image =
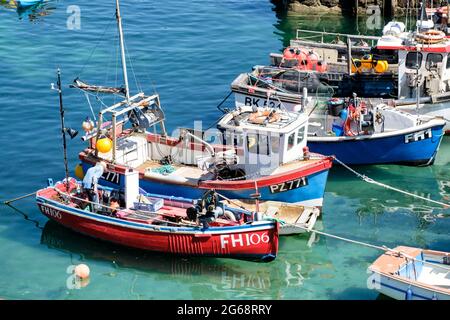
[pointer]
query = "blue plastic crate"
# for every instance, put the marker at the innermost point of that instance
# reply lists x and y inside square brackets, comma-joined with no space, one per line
[154,205]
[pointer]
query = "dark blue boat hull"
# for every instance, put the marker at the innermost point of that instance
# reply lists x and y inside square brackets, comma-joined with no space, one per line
[397,149]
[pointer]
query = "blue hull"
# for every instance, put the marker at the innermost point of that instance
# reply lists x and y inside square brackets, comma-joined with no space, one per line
[310,194]
[28,3]
[391,149]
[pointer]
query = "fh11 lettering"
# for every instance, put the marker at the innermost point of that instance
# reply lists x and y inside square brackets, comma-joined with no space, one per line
[288,185]
[259,102]
[418,136]
[51,212]
[243,240]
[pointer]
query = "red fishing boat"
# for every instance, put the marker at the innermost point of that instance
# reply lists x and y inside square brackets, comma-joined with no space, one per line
[156,224]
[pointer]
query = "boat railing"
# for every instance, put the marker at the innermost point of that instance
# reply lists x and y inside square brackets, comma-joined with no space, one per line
[305,35]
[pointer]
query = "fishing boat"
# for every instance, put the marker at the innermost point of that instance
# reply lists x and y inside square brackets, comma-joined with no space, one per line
[155,224]
[356,131]
[132,134]
[407,273]
[414,79]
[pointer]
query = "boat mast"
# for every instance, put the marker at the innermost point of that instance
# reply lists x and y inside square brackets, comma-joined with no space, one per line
[122,52]
[63,129]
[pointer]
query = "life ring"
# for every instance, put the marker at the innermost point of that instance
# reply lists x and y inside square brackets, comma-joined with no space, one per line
[260,117]
[431,36]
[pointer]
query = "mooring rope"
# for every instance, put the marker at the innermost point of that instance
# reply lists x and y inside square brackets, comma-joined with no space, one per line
[368,245]
[372,181]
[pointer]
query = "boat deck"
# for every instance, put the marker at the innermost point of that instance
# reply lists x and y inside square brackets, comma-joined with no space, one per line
[435,276]
[192,175]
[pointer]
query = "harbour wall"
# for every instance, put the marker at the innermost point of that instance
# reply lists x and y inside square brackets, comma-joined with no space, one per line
[318,7]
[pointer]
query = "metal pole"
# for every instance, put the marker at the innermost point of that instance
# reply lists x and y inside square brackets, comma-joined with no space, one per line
[63,132]
[122,52]
[114,140]
[349,55]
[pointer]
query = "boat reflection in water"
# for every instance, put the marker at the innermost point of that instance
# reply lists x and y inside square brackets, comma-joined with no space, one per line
[33,12]
[237,279]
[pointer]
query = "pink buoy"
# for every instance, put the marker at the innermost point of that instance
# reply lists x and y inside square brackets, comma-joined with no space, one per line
[82,271]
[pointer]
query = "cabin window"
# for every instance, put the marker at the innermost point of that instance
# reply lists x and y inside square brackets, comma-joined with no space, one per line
[448,62]
[258,144]
[300,135]
[275,142]
[291,141]
[413,59]
[252,143]
[433,59]
[263,146]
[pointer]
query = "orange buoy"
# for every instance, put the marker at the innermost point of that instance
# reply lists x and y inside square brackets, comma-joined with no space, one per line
[79,172]
[289,53]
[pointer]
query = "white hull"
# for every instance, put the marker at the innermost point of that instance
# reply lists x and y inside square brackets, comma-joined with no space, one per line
[398,290]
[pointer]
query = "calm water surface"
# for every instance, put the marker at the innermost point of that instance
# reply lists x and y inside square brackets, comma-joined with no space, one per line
[189,52]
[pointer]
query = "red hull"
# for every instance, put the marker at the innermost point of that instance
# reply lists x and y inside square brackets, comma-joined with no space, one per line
[241,243]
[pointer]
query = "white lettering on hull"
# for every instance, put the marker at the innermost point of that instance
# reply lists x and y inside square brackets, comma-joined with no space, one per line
[238,240]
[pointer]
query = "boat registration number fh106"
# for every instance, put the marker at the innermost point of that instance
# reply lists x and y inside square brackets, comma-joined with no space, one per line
[289,185]
[243,240]
[418,136]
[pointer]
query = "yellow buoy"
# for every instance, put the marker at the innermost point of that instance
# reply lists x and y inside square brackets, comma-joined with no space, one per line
[82,271]
[381,66]
[104,145]
[79,172]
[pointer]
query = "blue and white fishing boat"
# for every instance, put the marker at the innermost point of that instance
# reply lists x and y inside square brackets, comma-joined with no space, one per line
[412,274]
[356,131]
[368,134]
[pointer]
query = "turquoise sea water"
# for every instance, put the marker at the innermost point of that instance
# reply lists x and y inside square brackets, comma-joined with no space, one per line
[189,52]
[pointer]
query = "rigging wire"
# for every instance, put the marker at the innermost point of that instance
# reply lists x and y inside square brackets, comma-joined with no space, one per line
[95,48]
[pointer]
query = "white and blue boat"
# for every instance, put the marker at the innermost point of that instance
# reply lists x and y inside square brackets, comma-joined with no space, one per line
[376,135]
[355,131]
[407,273]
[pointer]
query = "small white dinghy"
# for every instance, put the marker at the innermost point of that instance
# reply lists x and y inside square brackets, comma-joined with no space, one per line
[407,273]
[293,218]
